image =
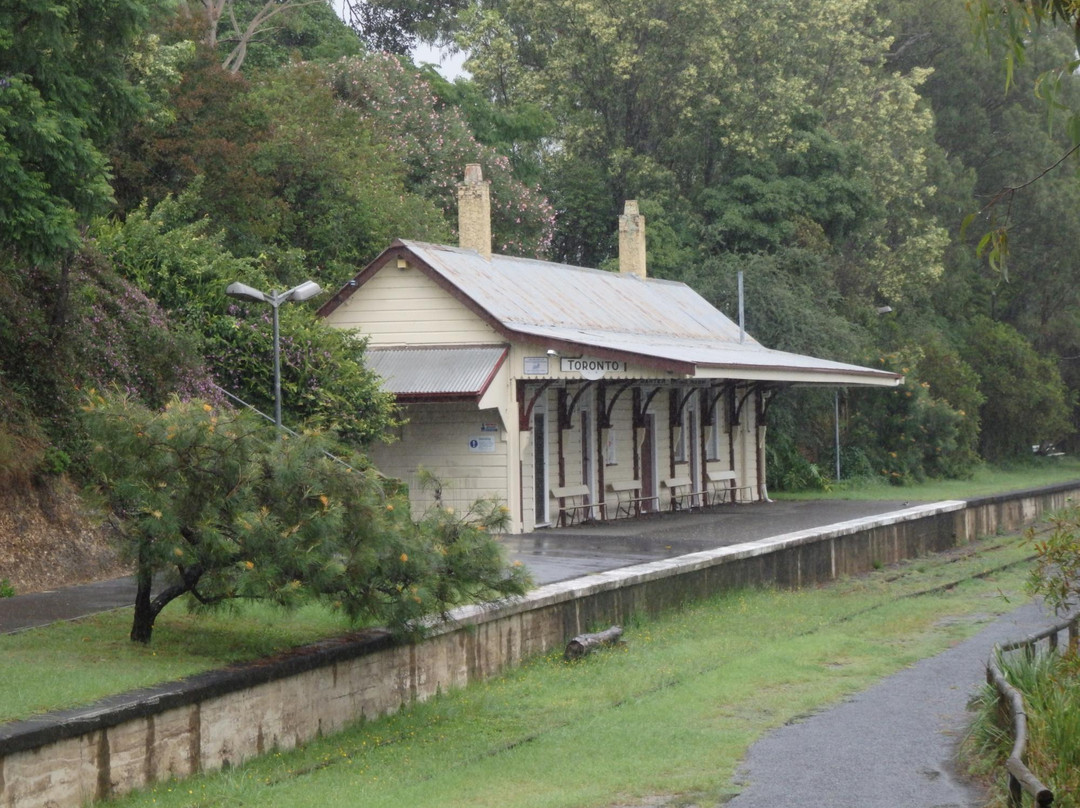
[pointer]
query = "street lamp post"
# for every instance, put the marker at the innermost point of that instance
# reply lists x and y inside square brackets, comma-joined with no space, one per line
[305,290]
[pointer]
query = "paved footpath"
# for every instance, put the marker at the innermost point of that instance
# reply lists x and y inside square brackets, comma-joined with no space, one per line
[892,746]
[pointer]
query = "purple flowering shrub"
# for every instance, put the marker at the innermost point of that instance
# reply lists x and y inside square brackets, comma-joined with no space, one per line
[435,143]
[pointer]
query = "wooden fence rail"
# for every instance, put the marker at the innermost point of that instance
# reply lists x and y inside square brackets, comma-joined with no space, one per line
[1021,779]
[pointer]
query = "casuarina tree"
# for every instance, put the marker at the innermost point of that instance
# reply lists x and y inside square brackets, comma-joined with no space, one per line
[213,505]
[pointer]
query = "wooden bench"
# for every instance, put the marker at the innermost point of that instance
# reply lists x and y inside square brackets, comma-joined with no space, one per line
[572,503]
[683,493]
[722,487]
[626,495]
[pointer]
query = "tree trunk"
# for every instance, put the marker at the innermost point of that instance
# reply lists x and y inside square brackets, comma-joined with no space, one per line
[142,625]
[147,609]
[587,643]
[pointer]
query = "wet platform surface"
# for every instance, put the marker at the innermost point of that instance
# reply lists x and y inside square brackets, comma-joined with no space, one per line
[558,554]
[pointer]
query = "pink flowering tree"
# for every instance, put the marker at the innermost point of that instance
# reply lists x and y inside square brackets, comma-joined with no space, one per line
[435,143]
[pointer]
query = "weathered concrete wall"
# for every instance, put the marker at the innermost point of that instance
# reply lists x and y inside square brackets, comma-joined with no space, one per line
[65,759]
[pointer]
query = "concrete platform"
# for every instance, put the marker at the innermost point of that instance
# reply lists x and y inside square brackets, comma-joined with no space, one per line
[551,555]
[559,554]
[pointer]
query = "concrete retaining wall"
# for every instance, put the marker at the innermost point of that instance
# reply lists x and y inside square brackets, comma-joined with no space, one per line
[67,758]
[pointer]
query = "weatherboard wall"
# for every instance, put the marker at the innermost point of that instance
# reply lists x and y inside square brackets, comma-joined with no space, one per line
[464,447]
[405,307]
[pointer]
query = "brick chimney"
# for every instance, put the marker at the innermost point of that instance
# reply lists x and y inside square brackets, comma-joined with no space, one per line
[632,240]
[474,211]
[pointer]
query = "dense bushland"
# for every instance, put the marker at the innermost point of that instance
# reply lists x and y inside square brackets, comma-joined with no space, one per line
[828,150]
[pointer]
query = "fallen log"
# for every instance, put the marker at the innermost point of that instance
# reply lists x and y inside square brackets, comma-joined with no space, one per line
[584,644]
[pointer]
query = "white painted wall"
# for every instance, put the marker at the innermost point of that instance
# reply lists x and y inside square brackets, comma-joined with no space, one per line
[405,307]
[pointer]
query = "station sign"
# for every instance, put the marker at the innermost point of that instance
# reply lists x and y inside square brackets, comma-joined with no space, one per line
[591,367]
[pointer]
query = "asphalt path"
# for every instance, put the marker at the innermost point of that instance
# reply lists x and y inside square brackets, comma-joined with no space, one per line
[892,746]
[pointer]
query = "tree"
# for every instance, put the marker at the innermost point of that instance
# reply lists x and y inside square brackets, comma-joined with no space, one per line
[247,22]
[1016,31]
[434,143]
[1056,574]
[1027,402]
[216,506]
[64,91]
[395,26]
[672,101]
[184,265]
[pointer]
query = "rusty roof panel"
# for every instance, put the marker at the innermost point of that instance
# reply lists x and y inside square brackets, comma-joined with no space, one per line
[621,313]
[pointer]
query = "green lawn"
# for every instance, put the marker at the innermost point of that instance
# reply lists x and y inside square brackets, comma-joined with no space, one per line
[72,663]
[671,712]
[986,480]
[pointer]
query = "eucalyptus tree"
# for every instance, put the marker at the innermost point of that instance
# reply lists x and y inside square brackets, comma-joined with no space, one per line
[668,100]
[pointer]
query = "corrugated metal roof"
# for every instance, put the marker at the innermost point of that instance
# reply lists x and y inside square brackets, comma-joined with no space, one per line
[622,313]
[521,292]
[451,371]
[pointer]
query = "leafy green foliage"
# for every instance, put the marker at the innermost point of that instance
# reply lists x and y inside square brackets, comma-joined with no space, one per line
[789,470]
[343,189]
[434,143]
[763,119]
[906,433]
[308,31]
[809,193]
[394,26]
[217,506]
[125,339]
[63,93]
[1056,575]
[103,331]
[1050,688]
[184,265]
[1026,400]
[949,378]
[215,135]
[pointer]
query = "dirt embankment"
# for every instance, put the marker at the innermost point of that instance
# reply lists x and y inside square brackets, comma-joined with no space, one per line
[47,540]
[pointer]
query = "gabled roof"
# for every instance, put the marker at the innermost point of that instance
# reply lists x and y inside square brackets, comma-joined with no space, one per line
[657,323]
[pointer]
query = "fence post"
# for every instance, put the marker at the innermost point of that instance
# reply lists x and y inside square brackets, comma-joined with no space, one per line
[1016,793]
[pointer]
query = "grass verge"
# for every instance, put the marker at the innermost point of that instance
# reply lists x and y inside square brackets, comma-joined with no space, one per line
[72,663]
[1050,686]
[669,714]
[985,480]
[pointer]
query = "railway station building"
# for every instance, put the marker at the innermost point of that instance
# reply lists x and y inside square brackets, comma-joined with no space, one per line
[569,394]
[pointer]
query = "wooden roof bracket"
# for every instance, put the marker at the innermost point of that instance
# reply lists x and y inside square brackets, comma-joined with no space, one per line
[566,414]
[606,406]
[769,393]
[738,407]
[679,405]
[709,403]
[639,412]
[525,410]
